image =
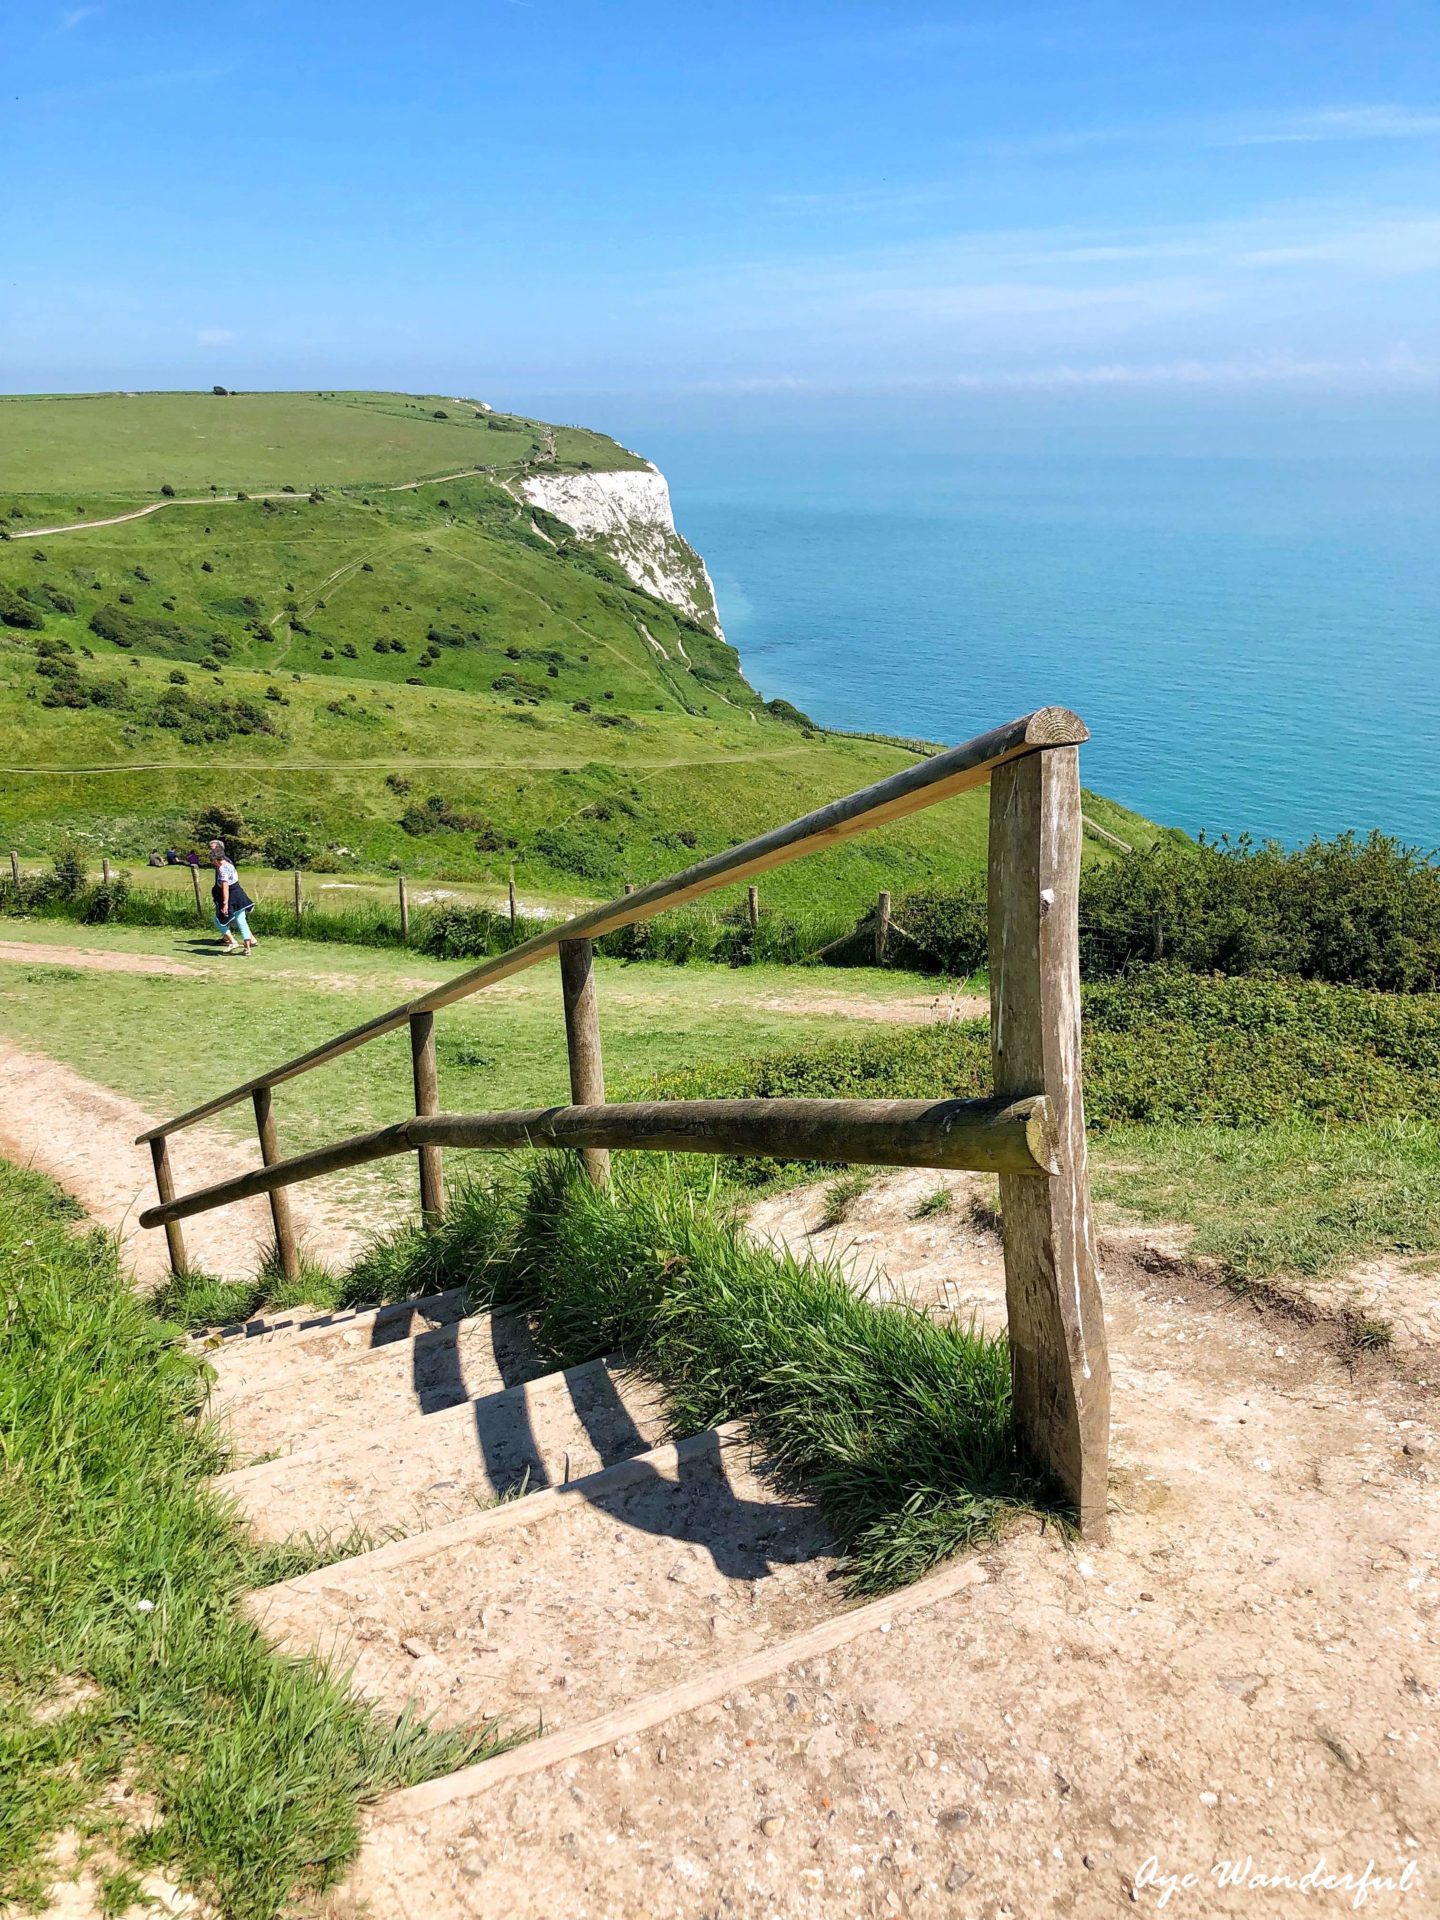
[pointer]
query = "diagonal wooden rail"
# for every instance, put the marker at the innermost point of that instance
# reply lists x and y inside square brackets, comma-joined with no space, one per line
[907,792]
[1031,1132]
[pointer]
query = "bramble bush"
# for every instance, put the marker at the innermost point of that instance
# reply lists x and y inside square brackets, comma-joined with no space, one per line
[1358,912]
[1350,911]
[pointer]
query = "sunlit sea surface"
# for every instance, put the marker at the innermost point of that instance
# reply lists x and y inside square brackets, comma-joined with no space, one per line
[1255,646]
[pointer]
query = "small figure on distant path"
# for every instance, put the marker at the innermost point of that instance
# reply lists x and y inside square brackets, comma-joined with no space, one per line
[155,860]
[192,858]
[172,858]
[231,901]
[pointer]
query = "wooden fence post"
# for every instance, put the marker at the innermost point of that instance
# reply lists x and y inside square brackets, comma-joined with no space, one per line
[285,1250]
[752,905]
[582,1039]
[104,869]
[404,915]
[195,883]
[882,927]
[165,1187]
[15,870]
[299,898]
[514,909]
[427,1100]
[1058,1360]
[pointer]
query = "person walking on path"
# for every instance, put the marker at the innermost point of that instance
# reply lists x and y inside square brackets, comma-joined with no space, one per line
[231,902]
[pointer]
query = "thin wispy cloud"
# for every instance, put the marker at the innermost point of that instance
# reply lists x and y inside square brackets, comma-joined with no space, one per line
[1384,122]
[214,337]
[1398,367]
[893,198]
[1304,296]
[73,17]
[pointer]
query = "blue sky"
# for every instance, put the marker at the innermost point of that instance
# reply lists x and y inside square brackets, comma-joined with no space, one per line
[704,212]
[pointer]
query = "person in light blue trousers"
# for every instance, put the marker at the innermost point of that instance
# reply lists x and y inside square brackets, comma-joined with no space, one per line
[232,903]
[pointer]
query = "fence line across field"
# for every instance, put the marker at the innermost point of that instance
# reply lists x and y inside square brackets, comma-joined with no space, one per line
[1030,1131]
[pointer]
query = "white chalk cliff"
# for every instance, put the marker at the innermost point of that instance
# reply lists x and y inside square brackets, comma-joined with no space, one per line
[628,515]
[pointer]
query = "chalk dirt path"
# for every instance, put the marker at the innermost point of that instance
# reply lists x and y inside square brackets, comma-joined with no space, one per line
[914,1010]
[83,1136]
[221,500]
[1248,1668]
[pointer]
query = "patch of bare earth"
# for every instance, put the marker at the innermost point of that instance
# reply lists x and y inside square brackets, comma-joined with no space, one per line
[92,959]
[1247,1670]
[83,1136]
[919,1011]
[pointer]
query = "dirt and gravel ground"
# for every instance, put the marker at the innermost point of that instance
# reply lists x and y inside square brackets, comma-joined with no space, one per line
[83,1136]
[1248,1669]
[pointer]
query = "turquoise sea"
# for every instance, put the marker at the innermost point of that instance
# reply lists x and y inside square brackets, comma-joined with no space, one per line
[1254,644]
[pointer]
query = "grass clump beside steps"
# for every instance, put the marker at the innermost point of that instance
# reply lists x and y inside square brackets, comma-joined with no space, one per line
[124,1657]
[899,1424]
[195,1298]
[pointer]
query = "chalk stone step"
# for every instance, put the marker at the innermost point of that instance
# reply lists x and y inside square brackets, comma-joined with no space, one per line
[258,1353]
[425,1469]
[361,1394]
[566,1604]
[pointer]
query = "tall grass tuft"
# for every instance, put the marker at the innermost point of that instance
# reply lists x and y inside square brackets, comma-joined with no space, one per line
[121,1570]
[900,1424]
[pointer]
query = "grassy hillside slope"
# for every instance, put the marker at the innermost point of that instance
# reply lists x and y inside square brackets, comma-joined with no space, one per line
[110,444]
[419,671]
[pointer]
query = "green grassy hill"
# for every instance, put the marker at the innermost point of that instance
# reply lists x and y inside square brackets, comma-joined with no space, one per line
[393,652]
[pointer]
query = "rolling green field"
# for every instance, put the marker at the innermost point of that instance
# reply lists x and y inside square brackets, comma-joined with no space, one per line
[436,678]
[109,447]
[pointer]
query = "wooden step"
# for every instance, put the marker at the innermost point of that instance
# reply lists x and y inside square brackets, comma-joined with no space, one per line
[573,1602]
[425,1469]
[362,1393]
[258,1353]
[522,1834]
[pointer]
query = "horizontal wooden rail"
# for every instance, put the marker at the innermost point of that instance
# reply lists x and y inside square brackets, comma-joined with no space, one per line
[906,792]
[985,1136]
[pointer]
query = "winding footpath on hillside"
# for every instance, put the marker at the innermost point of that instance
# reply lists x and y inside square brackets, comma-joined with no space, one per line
[228,500]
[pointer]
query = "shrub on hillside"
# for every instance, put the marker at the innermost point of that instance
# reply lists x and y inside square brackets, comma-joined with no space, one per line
[18,612]
[220,822]
[467,933]
[288,847]
[944,925]
[107,900]
[581,850]
[1350,911]
[200,721]
[126,629]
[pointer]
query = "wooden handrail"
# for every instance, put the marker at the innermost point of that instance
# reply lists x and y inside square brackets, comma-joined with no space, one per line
[908,791]
[983,1136]
[1031,1131]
